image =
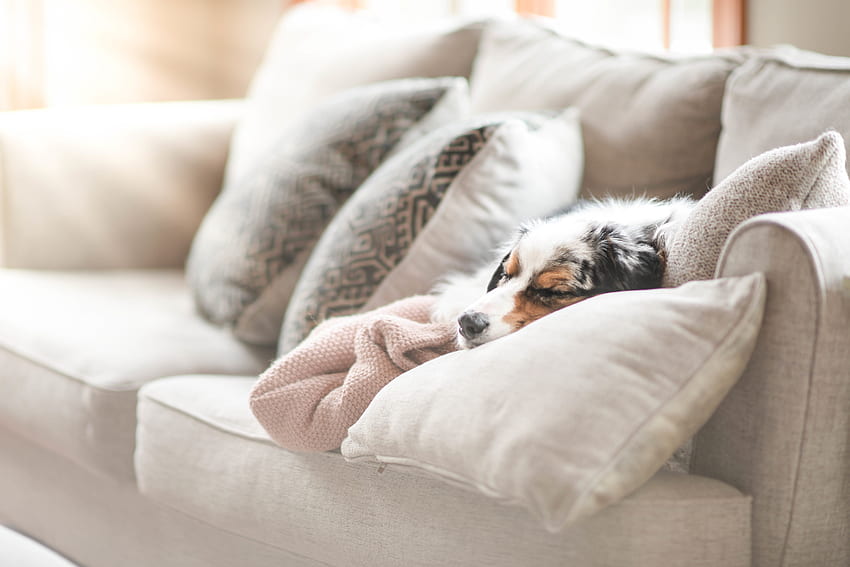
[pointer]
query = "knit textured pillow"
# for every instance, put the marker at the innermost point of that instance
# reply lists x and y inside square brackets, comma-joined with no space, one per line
[803,176]
[252,245]
[439,205]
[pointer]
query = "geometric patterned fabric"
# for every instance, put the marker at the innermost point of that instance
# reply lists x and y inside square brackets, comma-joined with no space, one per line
[258,227]
[374,231]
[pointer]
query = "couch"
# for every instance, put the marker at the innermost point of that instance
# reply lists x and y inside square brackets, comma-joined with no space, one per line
[125,432]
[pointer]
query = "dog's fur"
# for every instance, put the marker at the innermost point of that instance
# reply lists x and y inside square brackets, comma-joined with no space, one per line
[595,247]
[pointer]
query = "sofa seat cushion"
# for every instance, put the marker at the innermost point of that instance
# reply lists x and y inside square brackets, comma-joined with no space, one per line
[76,346]
[201,451]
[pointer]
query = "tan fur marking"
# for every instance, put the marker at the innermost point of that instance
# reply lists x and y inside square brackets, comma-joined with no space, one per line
[527,310]
[512,265]
[554,277]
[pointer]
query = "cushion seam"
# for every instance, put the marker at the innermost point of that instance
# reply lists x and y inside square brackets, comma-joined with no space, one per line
[205,421]
[36,360]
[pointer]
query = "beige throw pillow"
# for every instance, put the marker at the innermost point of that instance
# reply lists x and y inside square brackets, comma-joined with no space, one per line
[577,410]
[253,242]
[803,176]
[440,205]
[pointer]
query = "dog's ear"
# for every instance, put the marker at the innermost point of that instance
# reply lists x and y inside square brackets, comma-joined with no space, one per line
[622,261]
[499,273]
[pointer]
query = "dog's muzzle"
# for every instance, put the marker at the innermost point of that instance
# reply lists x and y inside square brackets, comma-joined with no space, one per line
[472,323]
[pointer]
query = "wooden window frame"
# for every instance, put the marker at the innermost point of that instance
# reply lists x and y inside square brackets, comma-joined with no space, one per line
[728,19]
[535,7]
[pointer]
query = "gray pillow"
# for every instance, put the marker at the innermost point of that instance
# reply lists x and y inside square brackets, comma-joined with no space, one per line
[252,245]
[803,176]
[438,206]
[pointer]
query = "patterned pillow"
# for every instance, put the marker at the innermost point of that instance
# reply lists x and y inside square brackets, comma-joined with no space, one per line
[439,205]
[252,245]
[803,176]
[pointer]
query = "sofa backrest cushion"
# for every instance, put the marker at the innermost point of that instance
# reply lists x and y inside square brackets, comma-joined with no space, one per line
[650,124]
[781,97]
[319,50]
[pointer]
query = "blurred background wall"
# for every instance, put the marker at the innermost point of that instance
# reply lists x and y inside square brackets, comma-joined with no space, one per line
[67,52]
[63,52]
[818,25]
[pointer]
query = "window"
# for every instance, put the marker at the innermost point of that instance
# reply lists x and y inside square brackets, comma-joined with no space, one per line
[682,26]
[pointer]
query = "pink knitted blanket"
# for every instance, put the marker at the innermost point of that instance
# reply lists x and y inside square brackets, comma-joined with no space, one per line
[309,397]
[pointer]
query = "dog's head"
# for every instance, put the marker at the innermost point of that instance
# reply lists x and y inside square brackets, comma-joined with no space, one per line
[558,262]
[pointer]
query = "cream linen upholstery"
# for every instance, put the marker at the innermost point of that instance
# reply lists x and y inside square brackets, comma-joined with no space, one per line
[193,427]
[102,522]
[784,96]
[650,124]
[318,50]
[783,432]
[110,186]
[75,347]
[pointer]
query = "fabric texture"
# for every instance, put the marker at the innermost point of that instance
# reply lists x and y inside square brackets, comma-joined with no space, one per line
[577,410]
[75,511]
[119,186]
[76,346]
[441,204]
[318,51]
[650,124]
[780,97]
[309,398]
[778,434]
[253,243]
[191,427]
[803,176]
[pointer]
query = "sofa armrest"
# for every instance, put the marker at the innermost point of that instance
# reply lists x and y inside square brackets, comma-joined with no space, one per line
[783,433]
[112,186]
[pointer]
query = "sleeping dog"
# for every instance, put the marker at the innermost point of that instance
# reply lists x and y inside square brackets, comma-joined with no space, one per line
[594,247]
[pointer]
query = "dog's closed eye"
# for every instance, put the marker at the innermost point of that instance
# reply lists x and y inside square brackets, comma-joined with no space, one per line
[552,292]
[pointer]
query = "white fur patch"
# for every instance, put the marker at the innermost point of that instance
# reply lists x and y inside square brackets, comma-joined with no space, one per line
[541,243]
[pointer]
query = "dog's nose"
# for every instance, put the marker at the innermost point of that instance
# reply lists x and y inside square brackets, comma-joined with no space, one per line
[472,324]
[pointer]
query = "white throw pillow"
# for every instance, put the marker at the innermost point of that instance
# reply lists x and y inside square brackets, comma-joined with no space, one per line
[577,410]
